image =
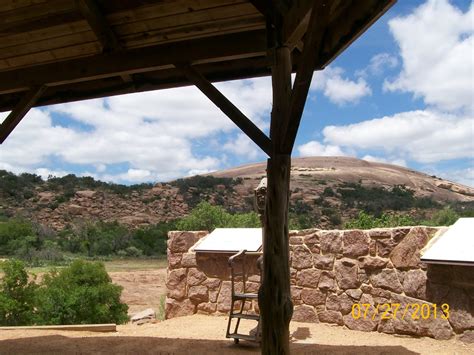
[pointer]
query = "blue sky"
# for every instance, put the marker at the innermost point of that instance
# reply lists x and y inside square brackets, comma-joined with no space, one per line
[403,93]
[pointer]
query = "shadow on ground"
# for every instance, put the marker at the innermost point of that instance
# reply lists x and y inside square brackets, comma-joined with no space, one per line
[153,345]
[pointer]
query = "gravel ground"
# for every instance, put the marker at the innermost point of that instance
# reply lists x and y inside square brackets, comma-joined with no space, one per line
[200,334]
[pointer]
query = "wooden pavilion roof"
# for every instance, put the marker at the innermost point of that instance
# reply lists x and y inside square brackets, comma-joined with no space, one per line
[81,49]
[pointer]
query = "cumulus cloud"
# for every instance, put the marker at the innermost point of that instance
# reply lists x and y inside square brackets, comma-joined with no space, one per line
[423,136]
[464,176]
[371,158]
[337,89]
[436,42]
[314,148]
[378,64]
[151,134]
[242,146]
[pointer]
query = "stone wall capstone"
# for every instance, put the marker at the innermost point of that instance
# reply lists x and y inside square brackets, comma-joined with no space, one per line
[334,276]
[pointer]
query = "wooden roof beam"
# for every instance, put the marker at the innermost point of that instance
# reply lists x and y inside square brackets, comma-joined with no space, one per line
[20,110]
[246,125]
[98,23]
[104,33]
[311,52]
[198,51]
[296,22]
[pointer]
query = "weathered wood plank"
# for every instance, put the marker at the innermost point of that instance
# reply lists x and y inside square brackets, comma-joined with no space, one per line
[276,307]
[57,31]
[191,18]
[97,21]
[296,22]
[35,11]
[311,53]
[63,53]
[20,110]
[218,48]
[153,80]
[223,26]
[351,22]
[246,125]
[48,44]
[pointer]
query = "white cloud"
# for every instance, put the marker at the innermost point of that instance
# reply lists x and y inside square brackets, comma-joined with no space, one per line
[243,147]
[463,176]
[371,158]
[46,173]
[377,65]
[314,148]
[151,133]
[337,89]
[436,46]
[423,136]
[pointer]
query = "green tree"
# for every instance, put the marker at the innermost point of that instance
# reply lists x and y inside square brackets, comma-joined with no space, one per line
[368,221]
[208,217]
[17,295]
[445,217]
[80,294]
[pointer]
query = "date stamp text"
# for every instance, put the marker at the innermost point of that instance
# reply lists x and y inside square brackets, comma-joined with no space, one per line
[398,311]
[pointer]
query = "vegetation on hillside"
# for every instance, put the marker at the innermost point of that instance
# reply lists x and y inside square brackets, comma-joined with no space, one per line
[376,200]
[198,188]
[23,186]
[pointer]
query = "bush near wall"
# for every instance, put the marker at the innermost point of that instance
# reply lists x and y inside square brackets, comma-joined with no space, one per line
[82,293]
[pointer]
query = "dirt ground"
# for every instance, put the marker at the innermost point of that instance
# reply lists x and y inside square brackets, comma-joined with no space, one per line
[200,334]
[141,288]
[205,334]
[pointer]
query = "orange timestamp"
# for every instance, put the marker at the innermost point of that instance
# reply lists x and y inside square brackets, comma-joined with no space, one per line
[394,310]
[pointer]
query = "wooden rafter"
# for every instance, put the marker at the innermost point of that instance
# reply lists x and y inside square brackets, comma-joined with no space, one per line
[145,81]
[20,110]
[245,124]
[98,23]
[311,52]
[104,33]
[296,22]
[204,50]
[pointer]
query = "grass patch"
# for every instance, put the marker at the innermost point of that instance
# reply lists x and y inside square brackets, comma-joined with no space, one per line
[117,265]
[160,314]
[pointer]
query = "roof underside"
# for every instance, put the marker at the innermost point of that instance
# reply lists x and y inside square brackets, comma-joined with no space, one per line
[82,49]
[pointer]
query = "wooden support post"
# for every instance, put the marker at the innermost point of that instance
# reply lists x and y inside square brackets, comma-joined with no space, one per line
[276,307]
[20,110]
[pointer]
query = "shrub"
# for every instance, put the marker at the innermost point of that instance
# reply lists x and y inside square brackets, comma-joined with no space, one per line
[367,221]
[17,295]
[82,293]
[151,240]
[445,217]
[208,217]
[16,234]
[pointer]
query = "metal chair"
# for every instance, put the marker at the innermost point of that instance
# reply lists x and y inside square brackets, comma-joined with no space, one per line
[241,297]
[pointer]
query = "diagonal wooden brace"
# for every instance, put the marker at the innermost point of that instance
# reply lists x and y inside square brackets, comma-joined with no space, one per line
[245,124]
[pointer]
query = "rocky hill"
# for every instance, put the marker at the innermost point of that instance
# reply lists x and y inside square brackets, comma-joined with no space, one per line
[325,191]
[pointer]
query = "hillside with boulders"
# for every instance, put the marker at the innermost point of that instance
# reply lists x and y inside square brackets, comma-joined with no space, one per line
[325,192]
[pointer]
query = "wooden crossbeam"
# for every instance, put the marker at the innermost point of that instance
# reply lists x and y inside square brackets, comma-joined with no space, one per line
[246,125]
[104,33]
[197,51]
[20,110]
[311,51]
[98,23]
[296,22]
[152,80]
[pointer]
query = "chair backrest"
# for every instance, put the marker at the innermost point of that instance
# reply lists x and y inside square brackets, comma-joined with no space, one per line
[234,260]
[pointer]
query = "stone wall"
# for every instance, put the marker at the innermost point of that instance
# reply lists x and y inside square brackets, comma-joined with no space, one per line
[331,271]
